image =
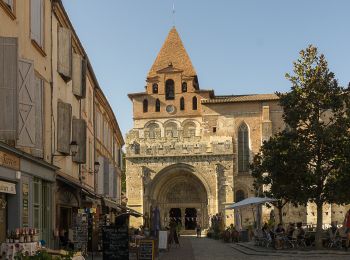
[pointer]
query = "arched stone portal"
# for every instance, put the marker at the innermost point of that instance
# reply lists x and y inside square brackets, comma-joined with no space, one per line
[178,189]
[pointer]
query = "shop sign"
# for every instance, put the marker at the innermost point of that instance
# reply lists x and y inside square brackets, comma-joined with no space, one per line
[7,187]
[25,207]
[9,161]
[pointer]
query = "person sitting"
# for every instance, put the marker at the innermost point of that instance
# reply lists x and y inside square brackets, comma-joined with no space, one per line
[279,236]
[301,231]
[333,234]
[290,230]
[267,234]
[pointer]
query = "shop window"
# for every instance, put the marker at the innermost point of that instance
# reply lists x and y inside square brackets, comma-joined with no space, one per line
[157,105]
[145,105]
[169,89]
[155,88]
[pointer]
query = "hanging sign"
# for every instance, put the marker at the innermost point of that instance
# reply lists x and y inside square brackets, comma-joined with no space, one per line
[7,187]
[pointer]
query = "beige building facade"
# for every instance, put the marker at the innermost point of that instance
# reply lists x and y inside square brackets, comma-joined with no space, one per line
[50,100]
[189,151]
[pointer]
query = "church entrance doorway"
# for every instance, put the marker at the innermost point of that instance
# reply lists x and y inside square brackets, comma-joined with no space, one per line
[190,218]
[175,214]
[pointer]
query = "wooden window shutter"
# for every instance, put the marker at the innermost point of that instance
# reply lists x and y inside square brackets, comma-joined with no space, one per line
[8,88]
[64,119]
[64,60]
[77,75]
[39,121]
[26,100]
[79,135]
[83,78]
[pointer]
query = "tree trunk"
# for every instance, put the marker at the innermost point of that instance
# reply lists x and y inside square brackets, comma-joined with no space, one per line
[318,237]
[280,215]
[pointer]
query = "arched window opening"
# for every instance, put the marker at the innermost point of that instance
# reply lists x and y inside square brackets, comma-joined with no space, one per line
[157,105]
[145,105]
[194,103]
[239,196]
[171,130]
[169,89]
[155,88]
[182,103]
[153,131]
[243,148]
[189,129]
[184,87]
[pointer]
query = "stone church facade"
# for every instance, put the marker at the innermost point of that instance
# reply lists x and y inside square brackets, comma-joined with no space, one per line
[189,150]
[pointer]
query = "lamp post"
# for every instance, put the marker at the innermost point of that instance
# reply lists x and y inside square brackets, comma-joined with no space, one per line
[74,148]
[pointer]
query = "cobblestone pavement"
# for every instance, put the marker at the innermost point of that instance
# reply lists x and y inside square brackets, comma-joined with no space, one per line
[193,248]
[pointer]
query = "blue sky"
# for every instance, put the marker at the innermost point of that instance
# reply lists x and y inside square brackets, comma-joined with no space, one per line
[236,46]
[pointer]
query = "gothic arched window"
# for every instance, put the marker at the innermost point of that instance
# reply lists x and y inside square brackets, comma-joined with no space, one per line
[157,105]
[155,88]
[184,87]
[243,148]
[239,196]
[145,105]
[153,131]
[194,103]
[182,103]
[169,89]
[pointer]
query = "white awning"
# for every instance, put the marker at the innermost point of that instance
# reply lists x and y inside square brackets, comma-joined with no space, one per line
[7,187]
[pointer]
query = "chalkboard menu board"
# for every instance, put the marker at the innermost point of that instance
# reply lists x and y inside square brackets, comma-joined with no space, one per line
[146,249]
[80,232]
[115,243]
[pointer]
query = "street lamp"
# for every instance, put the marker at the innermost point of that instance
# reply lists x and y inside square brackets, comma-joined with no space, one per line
[74,148]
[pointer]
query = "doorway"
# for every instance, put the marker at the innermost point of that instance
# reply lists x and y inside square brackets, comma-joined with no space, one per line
[190,218]
[175,214]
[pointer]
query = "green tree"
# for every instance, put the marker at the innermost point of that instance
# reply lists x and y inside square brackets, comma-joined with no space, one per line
[315,149]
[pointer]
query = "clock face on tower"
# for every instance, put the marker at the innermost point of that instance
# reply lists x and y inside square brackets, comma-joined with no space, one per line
[170,109]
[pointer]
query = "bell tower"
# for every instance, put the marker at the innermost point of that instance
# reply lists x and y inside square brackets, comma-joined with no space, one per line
[172,85]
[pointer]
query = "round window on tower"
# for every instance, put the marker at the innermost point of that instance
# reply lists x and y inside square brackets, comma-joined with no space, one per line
[170,109]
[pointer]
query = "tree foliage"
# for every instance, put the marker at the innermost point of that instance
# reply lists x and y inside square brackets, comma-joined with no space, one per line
[310,159]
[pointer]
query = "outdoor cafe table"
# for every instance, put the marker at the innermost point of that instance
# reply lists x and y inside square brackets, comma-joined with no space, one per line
[9,250]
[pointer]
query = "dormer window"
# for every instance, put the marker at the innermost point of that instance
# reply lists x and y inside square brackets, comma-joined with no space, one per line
[184,87]
[145,105]
[169,89]
[155,88]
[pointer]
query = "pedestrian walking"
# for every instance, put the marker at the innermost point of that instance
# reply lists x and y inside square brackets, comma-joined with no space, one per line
[198,230]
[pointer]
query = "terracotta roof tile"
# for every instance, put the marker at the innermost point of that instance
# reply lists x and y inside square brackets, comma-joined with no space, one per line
[173,51]
[240,98]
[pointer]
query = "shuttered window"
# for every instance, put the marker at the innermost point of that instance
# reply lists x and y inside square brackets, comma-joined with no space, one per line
[8,88]
[9,4]
[64,119]
[37,21]
[243,148]
[30,97]
[78,76]
[64,61]
[79,135]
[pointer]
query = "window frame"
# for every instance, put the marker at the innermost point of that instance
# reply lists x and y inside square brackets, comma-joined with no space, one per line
[154,88]
[157,105]
[184,87]
[182,103]
[169,88]
[194,103]
[145,105]
[243,148]
[38,45]
[10,11]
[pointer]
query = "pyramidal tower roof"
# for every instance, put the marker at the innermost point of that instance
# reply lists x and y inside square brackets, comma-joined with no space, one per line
[173,52]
